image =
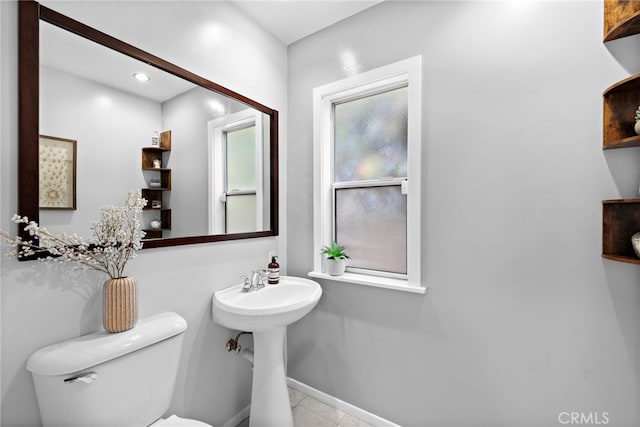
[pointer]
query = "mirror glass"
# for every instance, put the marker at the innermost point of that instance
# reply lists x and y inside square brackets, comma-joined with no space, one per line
[202,159]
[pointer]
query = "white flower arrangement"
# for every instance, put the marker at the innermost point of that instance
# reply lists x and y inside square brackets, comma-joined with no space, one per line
[117,238]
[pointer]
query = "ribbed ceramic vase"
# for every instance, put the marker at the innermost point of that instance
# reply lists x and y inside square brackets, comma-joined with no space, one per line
[120,310]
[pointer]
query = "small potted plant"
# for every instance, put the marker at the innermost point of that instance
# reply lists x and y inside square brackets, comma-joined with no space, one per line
[336,260]
[637,126]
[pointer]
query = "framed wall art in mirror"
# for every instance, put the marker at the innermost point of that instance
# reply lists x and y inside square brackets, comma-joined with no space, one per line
[57,169]
[62,95]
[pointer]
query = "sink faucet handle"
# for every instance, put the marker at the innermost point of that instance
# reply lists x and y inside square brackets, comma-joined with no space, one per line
[257,279]
[247,284]
[262,277]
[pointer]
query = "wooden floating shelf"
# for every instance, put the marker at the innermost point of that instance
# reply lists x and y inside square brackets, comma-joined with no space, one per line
[628,260]
[620,102]
[620,217]
[630,83]
[151,233]
[633,141]
[621,19]
[155,194]
[155,149]
[620,221]
[149,208]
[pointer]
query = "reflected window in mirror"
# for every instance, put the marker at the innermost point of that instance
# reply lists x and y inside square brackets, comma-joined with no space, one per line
[238,172]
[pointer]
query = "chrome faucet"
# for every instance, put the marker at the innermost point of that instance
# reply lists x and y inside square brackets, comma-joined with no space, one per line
[256,282]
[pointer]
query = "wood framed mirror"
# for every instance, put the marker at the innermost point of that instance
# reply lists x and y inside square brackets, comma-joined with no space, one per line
[261,202]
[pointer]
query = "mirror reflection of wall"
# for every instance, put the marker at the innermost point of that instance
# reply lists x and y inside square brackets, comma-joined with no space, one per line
[109,126]
[94,99]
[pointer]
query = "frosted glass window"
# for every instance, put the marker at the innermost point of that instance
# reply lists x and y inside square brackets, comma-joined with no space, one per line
[241,159]
[371,137]
[372,223]
[241,213]
[367,143]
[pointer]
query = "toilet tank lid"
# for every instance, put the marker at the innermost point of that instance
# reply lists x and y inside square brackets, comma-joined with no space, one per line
[84,352]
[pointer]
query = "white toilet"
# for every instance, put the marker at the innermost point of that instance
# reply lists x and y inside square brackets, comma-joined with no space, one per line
[112,380]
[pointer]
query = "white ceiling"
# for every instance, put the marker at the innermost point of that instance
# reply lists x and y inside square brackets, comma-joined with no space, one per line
[287,20]
[292,20]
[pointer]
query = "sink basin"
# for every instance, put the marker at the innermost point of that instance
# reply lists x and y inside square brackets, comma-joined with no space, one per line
[267,312]
[270,307]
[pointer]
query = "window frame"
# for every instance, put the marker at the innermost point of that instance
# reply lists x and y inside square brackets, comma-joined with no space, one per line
[403,73]
[217,158]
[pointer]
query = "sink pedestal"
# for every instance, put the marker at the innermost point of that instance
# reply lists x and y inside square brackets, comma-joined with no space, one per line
[266,313]
[269,395]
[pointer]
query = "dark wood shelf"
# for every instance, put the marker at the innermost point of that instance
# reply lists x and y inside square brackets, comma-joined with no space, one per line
[149,154]
[155,149]
[620,221]
[620,258]
[621,19]
[152,233]
[155,209]
[630,83]
[632,141]
[620,102]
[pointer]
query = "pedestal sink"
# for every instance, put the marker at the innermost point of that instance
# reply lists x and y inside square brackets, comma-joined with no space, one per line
[267,312]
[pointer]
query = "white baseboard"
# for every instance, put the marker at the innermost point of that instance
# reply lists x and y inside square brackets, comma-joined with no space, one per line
[343,406]
[339,404]
[238,418]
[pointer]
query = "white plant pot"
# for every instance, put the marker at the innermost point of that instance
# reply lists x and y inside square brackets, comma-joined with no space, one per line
[336,267]
[637,127]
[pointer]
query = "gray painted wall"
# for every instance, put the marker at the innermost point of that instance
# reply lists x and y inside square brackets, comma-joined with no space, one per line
[523,319]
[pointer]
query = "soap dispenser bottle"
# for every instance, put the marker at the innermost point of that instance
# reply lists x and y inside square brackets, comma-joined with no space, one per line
[273,272]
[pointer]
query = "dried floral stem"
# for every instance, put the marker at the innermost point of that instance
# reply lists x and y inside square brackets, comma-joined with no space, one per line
[118,236]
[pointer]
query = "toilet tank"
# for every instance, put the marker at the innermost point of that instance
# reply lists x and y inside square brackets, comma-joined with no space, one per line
[110,380]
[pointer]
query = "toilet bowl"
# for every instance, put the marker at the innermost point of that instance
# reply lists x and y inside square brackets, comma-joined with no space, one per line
[174,421]
[116,380]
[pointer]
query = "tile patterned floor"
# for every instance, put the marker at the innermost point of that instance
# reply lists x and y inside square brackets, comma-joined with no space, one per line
[310,412]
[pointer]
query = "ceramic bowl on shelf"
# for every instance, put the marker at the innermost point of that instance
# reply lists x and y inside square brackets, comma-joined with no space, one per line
[635,241]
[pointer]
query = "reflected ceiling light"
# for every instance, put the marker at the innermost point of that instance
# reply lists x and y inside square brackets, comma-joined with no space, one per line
[103,101]
[350,64]
[216,106]
[520,6]
[141,77]
[212,33]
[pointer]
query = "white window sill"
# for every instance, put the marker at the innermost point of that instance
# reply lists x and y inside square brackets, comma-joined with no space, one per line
[379,282]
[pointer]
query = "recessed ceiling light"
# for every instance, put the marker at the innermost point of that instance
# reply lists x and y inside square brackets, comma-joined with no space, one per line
[216,106]
[142,77]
